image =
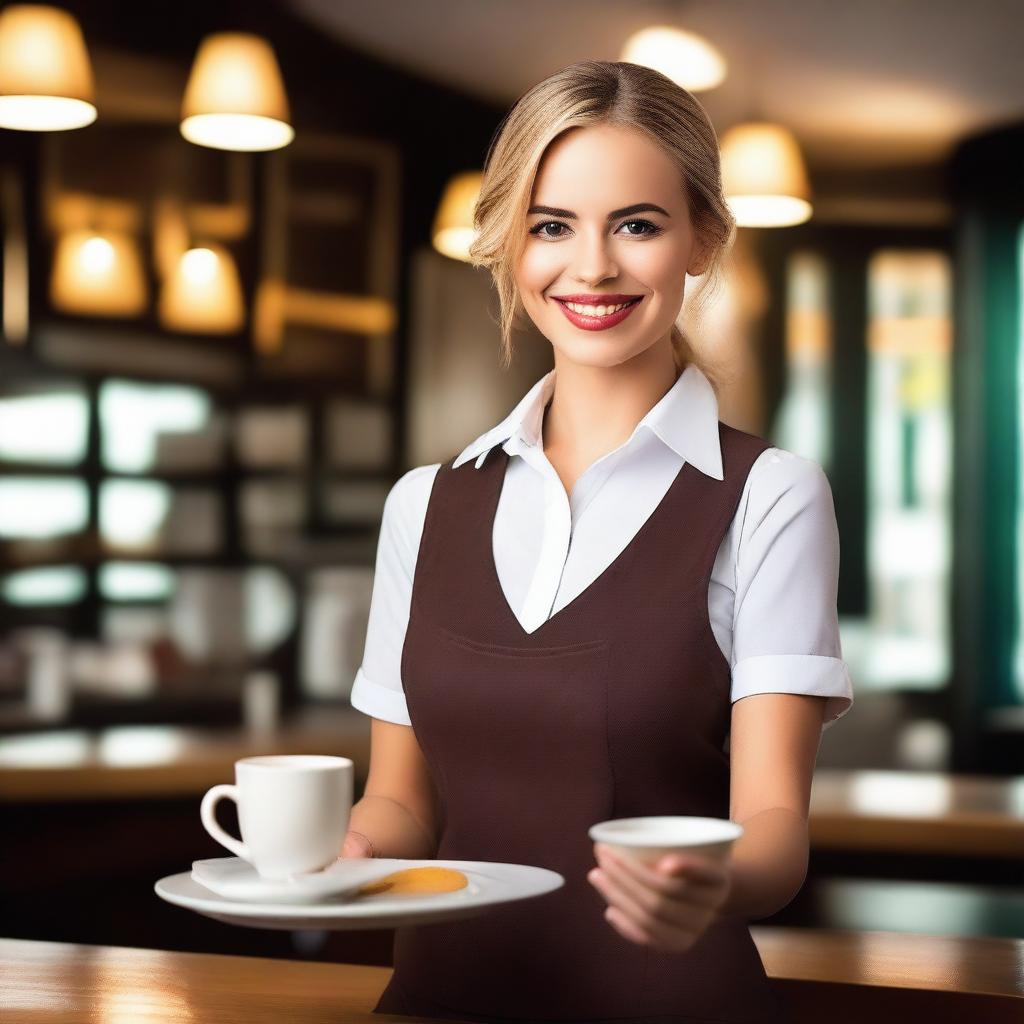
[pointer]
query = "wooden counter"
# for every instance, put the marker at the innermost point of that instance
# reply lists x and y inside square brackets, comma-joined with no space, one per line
[840,977]
[857,811]
[129,762]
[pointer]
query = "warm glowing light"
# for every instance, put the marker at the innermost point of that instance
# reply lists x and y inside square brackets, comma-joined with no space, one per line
[46,79]
[687,59]
[763,176]
[199,267]
[99,274]
[453,225]
[235,98]
[203,294]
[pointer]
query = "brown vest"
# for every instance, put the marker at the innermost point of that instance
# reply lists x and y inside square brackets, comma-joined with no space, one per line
[617,706]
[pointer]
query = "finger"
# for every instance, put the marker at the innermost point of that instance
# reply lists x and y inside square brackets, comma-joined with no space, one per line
[617,897]
[655,880]
[656,935]
[673,937]
[698,870]
[624,926]
[642,906]
[666,884]
[647,903]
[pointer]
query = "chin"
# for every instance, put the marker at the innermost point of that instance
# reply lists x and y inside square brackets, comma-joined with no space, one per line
[597,353]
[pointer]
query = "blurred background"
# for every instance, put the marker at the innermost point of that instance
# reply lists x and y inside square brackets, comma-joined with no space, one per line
[232,317]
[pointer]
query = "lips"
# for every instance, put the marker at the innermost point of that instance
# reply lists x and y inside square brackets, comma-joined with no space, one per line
[598,323]
[596,300]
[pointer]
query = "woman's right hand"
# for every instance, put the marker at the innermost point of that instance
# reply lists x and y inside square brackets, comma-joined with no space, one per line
[356,845]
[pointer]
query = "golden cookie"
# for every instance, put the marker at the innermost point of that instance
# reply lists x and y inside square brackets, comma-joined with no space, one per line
[416,881]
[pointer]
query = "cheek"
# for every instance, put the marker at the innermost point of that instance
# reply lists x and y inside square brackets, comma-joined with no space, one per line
[662,267]
[536,269]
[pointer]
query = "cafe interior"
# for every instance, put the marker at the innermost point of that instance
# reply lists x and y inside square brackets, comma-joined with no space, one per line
[232,319]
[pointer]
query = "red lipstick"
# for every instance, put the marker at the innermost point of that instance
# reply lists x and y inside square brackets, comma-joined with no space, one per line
[597,323]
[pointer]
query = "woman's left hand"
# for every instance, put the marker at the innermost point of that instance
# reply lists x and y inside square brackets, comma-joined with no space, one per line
[667,906]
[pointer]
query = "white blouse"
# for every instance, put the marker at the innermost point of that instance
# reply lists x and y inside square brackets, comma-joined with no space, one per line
[772,595]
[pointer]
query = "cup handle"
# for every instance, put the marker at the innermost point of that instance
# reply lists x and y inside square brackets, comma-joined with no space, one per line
[207,812]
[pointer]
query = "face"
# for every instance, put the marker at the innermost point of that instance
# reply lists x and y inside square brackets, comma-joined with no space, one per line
[609,222]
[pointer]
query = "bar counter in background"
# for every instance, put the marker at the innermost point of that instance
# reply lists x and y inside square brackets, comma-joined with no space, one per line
[95,816]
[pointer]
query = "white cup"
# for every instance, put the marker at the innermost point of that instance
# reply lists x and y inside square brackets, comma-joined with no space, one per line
[649,839]
[293,812]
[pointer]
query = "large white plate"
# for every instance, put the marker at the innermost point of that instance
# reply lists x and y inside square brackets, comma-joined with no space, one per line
[490,884]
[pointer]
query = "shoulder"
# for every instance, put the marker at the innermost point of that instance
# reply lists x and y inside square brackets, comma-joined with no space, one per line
[782,483]
[405,508]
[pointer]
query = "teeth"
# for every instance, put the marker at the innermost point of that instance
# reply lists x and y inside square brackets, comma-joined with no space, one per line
[596,310]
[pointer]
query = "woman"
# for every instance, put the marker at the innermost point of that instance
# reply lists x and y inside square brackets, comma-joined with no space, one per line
[609,605]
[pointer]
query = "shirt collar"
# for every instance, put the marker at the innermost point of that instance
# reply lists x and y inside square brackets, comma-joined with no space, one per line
[685,418]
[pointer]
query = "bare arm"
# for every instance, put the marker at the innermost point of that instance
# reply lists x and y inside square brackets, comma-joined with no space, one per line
[773,747]
[400,809]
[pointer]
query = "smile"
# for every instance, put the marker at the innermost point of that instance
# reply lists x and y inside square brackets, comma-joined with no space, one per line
[597,318]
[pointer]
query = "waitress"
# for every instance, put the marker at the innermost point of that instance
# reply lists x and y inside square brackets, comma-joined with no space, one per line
[610,605]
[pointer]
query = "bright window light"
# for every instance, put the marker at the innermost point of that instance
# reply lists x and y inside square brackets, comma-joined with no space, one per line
[40,508]
[43,428]
[135,415]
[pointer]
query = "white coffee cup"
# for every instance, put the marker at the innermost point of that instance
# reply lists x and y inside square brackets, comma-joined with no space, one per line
[293,812]
[649,839]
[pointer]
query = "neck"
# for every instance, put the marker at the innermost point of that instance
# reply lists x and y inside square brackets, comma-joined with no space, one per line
[594,409]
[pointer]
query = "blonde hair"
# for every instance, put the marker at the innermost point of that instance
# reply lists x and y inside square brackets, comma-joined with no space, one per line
[596,92]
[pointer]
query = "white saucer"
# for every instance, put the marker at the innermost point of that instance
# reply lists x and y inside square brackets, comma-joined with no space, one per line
[237,879]
[490,884]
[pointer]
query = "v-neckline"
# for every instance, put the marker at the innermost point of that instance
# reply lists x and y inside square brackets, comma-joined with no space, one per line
[601,577]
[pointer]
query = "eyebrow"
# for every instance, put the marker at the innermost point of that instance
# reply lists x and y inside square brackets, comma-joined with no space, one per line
[554,211]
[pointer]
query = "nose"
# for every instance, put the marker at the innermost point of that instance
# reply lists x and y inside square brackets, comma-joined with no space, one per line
[592,261]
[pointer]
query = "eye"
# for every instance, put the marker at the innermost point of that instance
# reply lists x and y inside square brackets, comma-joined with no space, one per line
[651,229]
[538,229]
[654,229]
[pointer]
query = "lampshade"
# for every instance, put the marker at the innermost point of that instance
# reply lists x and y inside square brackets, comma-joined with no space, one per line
[203,294]
[453,225]
[763,176]
[45,76]
[688,59]
[98,273]
[235,98]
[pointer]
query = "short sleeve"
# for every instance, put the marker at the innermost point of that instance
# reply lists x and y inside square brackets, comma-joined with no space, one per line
[377,689]
[785,618]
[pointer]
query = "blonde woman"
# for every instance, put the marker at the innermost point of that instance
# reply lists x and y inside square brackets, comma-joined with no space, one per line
[609,605]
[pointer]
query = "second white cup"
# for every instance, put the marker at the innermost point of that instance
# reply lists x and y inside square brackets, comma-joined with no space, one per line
[648,839]
[293,812]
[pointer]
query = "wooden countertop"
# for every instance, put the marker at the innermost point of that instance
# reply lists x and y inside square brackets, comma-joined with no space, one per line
[841,974]
[906,812]
[132,761]
[917,812]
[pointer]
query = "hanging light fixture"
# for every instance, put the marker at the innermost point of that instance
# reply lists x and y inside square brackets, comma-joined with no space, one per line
[453,229]
[763,176]
[46,82]
[203,294]
[688,59]
[235,98]
[98,273]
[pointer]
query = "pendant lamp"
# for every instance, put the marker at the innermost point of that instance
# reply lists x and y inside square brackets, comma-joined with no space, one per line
[235,98]
[98,273]
[763,176]
[203,294]
[688,59]
[453,229]
[46,82]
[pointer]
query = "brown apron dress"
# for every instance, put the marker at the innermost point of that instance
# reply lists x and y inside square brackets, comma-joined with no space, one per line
[617,706]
